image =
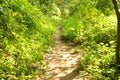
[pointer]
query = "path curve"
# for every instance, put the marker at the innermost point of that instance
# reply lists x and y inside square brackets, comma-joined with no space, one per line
[62,60]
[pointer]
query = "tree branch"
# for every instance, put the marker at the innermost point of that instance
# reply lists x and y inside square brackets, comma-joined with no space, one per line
[116,8]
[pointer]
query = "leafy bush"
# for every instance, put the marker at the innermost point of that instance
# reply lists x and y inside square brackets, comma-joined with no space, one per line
[96,33]
[99,60]
[104,6]
[71,30]
[24,34]
[93,26]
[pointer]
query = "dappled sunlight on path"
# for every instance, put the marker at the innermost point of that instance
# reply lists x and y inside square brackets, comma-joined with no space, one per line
[62,61]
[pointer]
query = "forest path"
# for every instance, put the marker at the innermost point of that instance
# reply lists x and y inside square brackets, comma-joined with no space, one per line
[62,61]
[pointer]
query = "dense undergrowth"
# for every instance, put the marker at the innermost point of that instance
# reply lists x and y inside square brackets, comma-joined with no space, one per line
[96,32]
[24,34]
[27,28]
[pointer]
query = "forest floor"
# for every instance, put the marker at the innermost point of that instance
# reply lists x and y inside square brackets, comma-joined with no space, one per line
[62,61]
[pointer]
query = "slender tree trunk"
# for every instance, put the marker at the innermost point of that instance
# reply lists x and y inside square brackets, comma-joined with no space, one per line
[118,31]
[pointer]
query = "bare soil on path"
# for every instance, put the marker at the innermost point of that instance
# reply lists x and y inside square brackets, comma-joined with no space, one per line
[62,60]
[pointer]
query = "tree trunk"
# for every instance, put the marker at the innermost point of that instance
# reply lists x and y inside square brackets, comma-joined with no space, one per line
[118,31]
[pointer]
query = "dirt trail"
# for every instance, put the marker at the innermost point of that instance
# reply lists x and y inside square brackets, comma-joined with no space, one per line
[62,61]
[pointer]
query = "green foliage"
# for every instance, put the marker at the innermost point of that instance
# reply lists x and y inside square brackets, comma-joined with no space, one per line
[89,24]
[46,5]
[93,26]
[26,30]
[104,31]
[24,34]
[105,6]
[70,31]
[76,27]
[99,60]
